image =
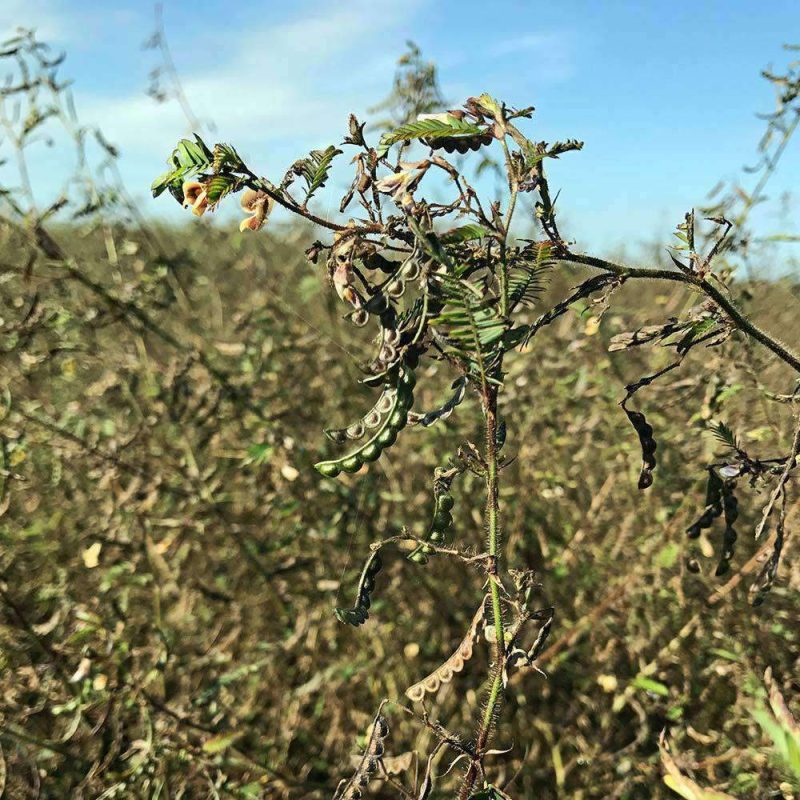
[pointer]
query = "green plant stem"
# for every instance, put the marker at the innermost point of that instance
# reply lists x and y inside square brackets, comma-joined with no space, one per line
[513,187]
[493,524]
[708,288]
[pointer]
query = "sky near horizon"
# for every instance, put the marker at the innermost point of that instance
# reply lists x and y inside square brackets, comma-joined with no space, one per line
[664,95]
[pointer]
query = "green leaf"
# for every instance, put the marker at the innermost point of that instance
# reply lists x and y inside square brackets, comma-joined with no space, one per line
[219,186]
[668,555]
[315,168]
[649,685]
[220,743]
[526,279]
[726,654]
[189,158]
[465,233]
[446,125]
[724,435]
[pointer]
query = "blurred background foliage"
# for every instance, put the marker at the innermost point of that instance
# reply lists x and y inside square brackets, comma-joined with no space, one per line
[169,561]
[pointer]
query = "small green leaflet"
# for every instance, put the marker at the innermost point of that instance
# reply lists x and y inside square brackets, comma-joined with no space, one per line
[649,685]
[465,233]
[315,168]
[188,159]
[220,742]
[428,129]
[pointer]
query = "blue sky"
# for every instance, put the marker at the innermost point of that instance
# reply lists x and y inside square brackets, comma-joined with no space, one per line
[664,94]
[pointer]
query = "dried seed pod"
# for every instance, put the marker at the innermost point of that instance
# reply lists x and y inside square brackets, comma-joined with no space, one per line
[359,613]
[388,354]
[372,420]
[647,442]
[384,404]
[368,763]
[391,336]
[411,269]
[356,431]
[713,507]
[360,317]
[454,664]
[395,289]
[730,507]
[548,615]
[444,411]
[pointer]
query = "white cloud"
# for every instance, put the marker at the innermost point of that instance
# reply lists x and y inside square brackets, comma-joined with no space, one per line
[45,16]
[296,80]
[549,55]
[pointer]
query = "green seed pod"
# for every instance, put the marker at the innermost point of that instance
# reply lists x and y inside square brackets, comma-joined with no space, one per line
[371,452]
[442,519]
[388,437]
[408,379]
[446,502]
[328,469]
[397,420]
[351,463]
[366,585]
[401,398]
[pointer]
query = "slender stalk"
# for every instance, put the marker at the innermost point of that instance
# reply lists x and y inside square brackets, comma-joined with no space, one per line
[513,189]
[495,552]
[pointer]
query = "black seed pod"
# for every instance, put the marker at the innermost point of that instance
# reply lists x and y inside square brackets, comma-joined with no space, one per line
[647,443]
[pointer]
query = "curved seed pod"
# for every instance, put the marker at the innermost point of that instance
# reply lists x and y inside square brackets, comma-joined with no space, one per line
[385,435]
[359,613]
[442,518]
[516,655]
[460,144]
[647,442]
[368,763]
[388,354]
[370,420]
[454,664]
[548,615]
[730,507]
[713,507]
[445,410]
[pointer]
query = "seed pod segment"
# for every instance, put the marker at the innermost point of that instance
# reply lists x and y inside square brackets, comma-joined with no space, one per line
[359,613]
[385,434]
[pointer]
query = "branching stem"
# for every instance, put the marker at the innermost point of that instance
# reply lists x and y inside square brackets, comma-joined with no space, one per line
[707,287]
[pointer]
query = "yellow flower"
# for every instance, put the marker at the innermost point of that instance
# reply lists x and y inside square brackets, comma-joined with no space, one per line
[258,205]
[194,195]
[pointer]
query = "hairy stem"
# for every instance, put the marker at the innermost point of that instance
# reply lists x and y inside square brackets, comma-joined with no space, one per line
[493,524]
